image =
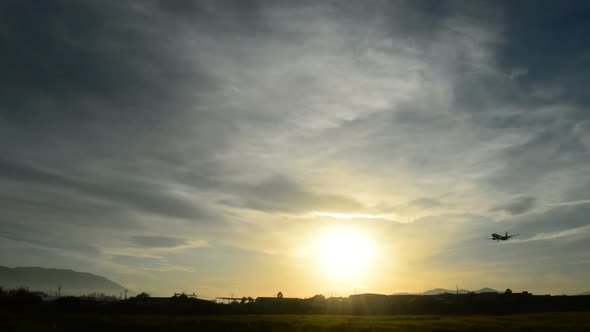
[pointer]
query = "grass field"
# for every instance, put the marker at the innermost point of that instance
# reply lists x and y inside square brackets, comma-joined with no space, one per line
[569,321]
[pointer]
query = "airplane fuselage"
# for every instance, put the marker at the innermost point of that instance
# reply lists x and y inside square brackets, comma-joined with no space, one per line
[499,237]
[504,237]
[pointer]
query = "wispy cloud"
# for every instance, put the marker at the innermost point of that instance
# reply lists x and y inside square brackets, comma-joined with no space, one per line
[572,232]
[572,203]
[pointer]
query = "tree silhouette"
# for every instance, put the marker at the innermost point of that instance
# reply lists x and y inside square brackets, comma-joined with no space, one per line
[142,295]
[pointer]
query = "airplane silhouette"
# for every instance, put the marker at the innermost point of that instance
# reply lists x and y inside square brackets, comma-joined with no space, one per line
[498,237]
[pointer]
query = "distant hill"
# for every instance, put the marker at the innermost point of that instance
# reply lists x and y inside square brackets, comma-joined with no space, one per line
[486,290]
[585,293]
[47,280]
[438,291]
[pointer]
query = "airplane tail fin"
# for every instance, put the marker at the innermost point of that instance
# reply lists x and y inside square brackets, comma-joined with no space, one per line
[506,234]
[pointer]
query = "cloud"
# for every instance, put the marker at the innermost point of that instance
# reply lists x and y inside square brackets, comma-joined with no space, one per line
[135,260]
[159,241]
[51,239]
[578,231]
[550,51]
[280,194]
[426,202]
[552,151]
[517,206]
[554,219]
[149,198]
[578,202]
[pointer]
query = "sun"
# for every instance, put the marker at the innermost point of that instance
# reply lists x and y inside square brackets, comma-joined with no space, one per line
[344,253]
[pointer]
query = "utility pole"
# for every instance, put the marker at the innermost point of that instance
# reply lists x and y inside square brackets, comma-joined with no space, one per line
[457,305]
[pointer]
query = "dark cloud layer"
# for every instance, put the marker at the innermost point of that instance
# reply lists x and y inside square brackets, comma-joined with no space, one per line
[50,239]
[517,206]
[546,42]
[146,198]
[157,241]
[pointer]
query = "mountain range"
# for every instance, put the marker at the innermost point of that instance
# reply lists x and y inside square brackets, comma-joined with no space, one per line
[438,291]
[48,281]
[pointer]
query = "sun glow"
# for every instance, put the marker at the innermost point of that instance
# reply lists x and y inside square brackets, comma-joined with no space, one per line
[338,215]
[344,254]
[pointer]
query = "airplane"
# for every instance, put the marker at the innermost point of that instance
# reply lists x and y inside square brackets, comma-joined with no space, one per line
[499,237]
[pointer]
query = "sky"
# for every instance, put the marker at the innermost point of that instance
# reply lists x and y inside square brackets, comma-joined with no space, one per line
[309,147]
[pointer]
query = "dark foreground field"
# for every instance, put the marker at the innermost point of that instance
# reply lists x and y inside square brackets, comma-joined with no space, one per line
[566,321]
